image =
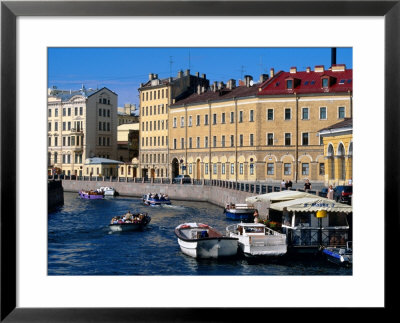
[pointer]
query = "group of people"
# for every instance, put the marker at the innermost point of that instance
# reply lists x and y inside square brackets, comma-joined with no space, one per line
[157,196]
[286,184]
[128,217]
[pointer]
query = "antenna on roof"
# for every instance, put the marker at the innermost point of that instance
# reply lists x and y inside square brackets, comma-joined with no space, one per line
[170,66]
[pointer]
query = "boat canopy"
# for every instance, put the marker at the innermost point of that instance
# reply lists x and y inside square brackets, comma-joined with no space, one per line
[278,196]
[312,204]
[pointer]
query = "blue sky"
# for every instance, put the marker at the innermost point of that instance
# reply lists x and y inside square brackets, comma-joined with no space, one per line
[123,69]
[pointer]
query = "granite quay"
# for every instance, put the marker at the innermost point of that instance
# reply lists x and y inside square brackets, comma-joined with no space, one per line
[217,192]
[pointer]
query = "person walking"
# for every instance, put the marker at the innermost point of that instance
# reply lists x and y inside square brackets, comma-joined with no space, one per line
[330,192]
[282,185]
[307,185]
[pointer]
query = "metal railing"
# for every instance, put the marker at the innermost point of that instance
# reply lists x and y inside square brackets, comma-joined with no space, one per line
[255,188]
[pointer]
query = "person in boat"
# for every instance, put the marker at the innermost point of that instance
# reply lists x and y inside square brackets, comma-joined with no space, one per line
[156,196]
[256,216]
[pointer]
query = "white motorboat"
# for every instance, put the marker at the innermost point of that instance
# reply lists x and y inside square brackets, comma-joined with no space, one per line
[129,222]
[255,239]
[108,191]
[199,240]
[240,212]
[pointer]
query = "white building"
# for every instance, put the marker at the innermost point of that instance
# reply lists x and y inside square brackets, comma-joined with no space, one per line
[81,124]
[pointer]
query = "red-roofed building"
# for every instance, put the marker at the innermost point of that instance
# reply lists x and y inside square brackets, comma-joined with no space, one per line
[259,131]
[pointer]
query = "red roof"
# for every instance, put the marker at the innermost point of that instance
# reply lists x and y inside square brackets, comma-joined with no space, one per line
[308,82]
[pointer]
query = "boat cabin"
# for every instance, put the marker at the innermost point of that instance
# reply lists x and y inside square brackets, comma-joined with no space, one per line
[251,229]
[239,206]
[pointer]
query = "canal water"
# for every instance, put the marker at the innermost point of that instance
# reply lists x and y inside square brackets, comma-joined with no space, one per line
[80,243]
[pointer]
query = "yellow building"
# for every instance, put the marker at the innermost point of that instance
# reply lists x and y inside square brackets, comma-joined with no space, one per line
[127,114]
[81,124]
[265,131]
[338,152]
[155,98]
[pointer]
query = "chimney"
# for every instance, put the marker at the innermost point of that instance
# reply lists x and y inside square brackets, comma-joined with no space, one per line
[187,72]
[263,78]
[180,74]
[293,70]
[199,89]
[197,74]
[319,68]
[333,58]
[272,72]
[214,88]
[170,79]
[151,75]
[338,68]
[203,89]
[248,79]
[155,76]
[308,69]
[220,85]
[203,76]
[231,84]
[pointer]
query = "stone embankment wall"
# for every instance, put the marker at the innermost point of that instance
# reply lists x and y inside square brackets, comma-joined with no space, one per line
[186,192]
[55,195]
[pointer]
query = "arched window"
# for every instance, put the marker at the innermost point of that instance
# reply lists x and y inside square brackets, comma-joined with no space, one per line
[342,165]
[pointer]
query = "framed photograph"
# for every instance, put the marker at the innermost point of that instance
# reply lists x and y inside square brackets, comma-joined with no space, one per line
[32,31]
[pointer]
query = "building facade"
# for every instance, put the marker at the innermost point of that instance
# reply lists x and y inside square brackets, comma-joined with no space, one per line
[127,114]
[81,124]
[338,152]
[264,131]
[156,96]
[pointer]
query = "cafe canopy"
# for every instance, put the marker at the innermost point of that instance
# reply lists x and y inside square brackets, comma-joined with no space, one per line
[312,204]
[278,196]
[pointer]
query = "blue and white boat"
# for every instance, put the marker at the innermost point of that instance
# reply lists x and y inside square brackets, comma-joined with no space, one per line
[338,255]
[156,199]
[240,212]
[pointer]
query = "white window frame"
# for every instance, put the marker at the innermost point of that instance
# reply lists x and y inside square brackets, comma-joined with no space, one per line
[273,138]
[308,138]
[326,113]
[174,123]
[284,138]
[302,113]
[273,114]
[190,121]
[284,114]
[338,112]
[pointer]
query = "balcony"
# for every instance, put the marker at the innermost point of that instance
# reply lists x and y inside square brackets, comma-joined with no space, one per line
[76,130]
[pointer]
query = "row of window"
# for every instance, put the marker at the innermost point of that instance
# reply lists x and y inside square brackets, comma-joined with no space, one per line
[287,168]
[105,113]
[305,136]
[104,101]
[156,94]
[77,126]
[154,141]
[155,125]
[66,111]
[67,141]
[104,141]
[103,126]
[152,110]
[66,158]
[305,115]
[154,158]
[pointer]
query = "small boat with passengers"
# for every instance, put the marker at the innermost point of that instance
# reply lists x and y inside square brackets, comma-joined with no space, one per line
[339,255]
[156,199]
[108,191]
[129,222]
[91,195]
[240,212]
[199,240]
[255,239]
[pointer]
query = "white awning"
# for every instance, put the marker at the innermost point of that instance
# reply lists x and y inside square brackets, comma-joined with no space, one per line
[278,196]
[312,204]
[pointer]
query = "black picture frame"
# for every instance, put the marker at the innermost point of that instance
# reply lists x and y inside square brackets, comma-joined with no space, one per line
[10,10]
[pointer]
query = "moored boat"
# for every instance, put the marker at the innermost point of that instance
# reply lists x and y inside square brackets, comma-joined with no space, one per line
[338,255]
[199,240]
[91,195]
[156,199]
[108,191]
[129,222]
[240,212]
[255,239]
